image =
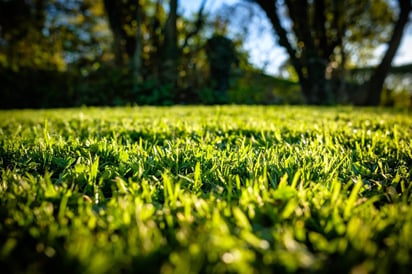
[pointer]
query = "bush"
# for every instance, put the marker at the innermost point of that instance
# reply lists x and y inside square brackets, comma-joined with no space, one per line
[36,89]
[258,88]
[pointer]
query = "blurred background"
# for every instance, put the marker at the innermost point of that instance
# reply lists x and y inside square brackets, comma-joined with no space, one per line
[68,53]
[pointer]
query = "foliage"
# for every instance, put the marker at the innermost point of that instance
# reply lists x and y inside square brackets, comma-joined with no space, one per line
[29,88]
[206,189]
[221,55]
[152,55]
[255,87]
[48,35]
[104,86]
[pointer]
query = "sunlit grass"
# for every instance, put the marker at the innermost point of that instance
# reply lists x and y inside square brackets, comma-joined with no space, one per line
[206,189]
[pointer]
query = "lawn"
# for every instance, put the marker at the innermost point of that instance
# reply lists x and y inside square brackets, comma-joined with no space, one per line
[231,189]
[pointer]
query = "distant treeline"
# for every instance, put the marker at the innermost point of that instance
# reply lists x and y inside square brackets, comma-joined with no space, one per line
[109,86]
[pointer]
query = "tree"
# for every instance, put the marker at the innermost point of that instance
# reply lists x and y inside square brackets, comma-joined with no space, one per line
[21,37]
[157,43]
[122,15]
[170,50]
[221,55]
[322,30]
[375,84]
[50,35]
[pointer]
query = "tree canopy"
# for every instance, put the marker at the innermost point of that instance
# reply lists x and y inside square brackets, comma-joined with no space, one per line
[110,52]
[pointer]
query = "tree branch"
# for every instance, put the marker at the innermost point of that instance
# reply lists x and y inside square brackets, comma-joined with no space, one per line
[320,30]
[269,8]
[198,24]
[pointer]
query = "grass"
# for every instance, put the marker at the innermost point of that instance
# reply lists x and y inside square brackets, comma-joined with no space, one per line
[206,189]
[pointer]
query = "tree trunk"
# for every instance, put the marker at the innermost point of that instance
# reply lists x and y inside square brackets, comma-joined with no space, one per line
[311,56]
[317,90]
[137,56]
[375,84]
[170,48]
[112,8]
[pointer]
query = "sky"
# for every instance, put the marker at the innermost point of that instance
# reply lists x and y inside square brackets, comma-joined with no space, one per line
[264,51]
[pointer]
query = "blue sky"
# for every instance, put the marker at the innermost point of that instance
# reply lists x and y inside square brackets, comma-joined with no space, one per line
[263,49]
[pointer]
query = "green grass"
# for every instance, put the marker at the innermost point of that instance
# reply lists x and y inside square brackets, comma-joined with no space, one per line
[206,189]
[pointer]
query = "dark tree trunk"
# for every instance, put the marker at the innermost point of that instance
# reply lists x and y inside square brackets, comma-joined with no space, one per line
[170,48]
[154,70]
[137,55]
[311,55]
[113,10]
[121,14]
[317,91]
[375,85]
